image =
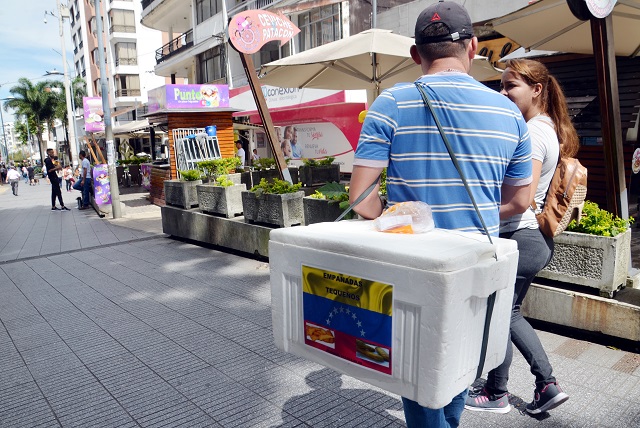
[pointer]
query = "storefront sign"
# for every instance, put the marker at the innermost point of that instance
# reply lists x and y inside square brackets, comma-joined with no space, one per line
[101,185]
[601,8]
[252,29]
[93,114]
[348,317]
[180,97]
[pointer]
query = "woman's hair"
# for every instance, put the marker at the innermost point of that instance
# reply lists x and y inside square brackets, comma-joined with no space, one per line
[553,102]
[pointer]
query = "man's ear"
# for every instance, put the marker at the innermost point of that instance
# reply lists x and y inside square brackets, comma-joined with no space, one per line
[415,55]
[473,47]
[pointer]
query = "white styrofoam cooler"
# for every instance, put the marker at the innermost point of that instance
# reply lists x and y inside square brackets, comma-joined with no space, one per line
[421,299]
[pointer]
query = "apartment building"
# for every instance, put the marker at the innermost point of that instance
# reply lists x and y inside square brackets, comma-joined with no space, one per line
[129,50]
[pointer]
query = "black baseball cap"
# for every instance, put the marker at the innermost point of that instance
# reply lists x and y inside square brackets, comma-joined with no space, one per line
[453,15]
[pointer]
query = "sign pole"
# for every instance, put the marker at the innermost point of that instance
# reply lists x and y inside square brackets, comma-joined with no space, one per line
[265,116]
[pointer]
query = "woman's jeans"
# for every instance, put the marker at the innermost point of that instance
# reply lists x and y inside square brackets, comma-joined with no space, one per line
[68,185]
[86,190]
[535,250]
[418,416]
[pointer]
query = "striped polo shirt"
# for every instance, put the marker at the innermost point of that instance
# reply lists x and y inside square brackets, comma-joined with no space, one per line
[487,133]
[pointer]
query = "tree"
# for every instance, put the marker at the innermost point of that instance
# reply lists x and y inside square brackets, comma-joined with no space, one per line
[32,100]
[78,90]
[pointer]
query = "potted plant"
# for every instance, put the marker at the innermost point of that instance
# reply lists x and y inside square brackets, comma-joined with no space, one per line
[326,204]
[593,252]
[264,168]
[222,197]
[212,169]
[182,192]
[318,171]
[274,202]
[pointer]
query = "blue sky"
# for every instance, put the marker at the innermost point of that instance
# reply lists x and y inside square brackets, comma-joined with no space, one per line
[27,44]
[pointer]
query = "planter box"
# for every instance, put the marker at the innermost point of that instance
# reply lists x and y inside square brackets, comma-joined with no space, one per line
[226,201]
[279,210]
[310,176]
[181,193]
[594,261]
[267,174]
[320,210]
[293,170]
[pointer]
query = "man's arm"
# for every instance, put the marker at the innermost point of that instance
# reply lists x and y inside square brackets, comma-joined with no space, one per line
[514,200]
[361,178]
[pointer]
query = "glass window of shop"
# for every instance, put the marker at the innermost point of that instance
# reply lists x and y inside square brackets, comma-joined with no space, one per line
[319,26]
[211,65]
[205,9]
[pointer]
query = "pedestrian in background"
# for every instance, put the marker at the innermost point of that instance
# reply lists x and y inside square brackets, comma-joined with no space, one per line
[68,177]
[486,131]
[84,181]
[25,174]
[13,178]
[3,174]
[539,97]
[32,175]
[53,166]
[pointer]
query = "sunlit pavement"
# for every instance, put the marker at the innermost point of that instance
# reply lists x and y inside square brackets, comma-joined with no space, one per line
[106,325]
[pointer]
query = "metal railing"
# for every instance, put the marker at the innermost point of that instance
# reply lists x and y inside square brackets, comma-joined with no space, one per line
[127,92]
[126,61]
[180,43]
[84,73]
[80,45]
[122,29]
[193,145]
[75,50]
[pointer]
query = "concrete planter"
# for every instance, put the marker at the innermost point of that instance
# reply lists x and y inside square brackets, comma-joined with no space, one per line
[320,210]
[226,201]
[267,174]
[278,210]
[293,170]
[310,176]
[181,193]
[594,261]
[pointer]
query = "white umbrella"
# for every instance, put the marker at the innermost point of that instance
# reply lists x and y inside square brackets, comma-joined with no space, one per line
[374,59]
[550,25]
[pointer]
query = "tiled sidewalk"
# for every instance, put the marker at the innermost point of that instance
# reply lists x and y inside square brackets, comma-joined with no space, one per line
[163,333]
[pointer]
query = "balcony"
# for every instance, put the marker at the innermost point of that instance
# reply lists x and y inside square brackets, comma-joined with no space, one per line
[80,45]
[146,3]
[167,15]
[75,51]
[175,46]
[127,92]
[84,73]
[122,29]
[126,61]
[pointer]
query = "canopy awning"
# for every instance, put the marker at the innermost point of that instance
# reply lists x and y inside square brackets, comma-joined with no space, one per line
[131,127]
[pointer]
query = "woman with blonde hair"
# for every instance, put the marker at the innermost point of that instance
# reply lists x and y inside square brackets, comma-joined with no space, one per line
[539,97]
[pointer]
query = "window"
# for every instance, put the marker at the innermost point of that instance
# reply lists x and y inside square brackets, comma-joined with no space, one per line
[94,56]
[211,65]
[122,21]
[126,54]
[205,9]
[319,26]
[270,52]
[127,85]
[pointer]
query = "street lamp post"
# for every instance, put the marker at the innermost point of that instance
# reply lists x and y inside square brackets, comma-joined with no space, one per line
[63,12]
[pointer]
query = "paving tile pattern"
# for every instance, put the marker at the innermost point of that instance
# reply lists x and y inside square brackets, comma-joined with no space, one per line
[159,333]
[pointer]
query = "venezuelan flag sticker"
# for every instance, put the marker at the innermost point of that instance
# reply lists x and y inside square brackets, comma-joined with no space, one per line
[348,316]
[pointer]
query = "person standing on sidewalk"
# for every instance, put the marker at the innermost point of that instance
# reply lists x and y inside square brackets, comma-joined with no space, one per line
[84,181]
[32,175]
[3,174]
[53,166]
[486,131]
[13,178]
[68,177]
[540,98]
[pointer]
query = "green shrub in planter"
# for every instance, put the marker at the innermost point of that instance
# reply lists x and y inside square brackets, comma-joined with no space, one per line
[190,175]
[596,221]
[318,171]
[275,187]
[264,163]
[593,252]
[216,167]
[326,204]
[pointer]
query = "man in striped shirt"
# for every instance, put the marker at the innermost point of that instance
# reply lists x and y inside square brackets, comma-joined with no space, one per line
[487,134]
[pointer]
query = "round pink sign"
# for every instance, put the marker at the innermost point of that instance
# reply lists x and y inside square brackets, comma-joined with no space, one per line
[600,8]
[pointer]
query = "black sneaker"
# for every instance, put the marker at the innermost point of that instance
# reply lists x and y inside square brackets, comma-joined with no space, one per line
[549,398]
[482,401]
[65,209]
[55,209]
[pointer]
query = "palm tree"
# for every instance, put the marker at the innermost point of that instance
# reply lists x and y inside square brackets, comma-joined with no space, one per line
[32,100]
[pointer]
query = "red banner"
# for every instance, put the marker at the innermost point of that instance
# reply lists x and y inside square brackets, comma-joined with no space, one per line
[252,29]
